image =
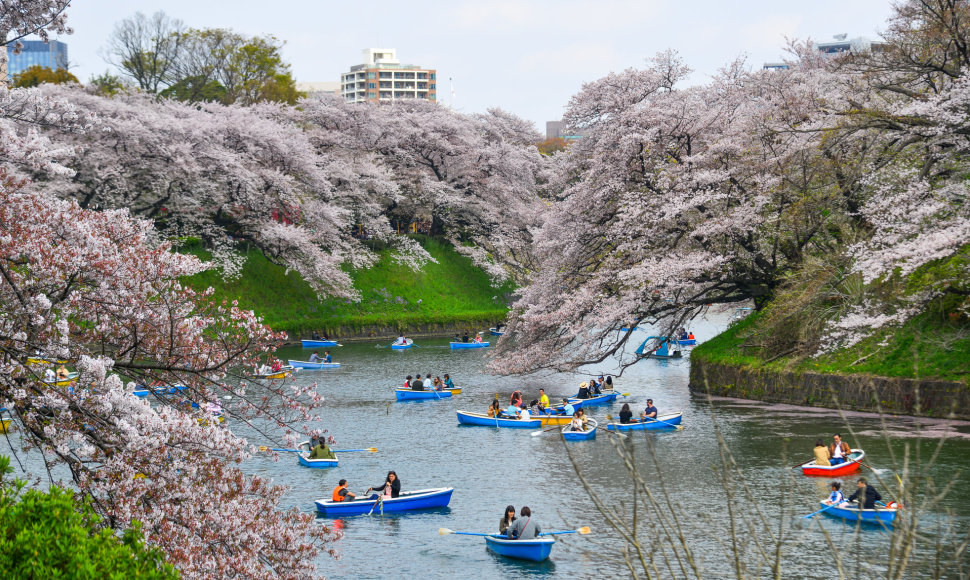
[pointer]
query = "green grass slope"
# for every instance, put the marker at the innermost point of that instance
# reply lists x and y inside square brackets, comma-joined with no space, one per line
[451,292]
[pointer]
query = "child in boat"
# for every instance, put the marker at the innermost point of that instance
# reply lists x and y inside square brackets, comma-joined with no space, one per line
[836,496]
[478,337]
[577,423]
[821,453]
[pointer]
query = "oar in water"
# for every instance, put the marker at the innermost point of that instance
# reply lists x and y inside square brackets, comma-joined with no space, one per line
[380,500]
[678,427]
[820,511]
[535,433]
[802,463]
[583,531]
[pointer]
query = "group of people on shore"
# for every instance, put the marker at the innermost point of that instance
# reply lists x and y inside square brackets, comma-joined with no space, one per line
[416,383]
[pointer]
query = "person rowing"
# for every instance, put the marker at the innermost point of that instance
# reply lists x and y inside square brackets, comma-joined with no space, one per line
[321,451]
[315,358]
[524,528]
[543,398]
[495,409]
[650,412]
[401,340]
[391,487]
[865,495]
[567,408]
[838,450]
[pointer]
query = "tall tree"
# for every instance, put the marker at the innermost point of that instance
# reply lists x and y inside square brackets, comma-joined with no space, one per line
[145,49]
[36,75]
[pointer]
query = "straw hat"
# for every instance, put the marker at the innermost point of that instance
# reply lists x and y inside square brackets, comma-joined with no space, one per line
[583,385]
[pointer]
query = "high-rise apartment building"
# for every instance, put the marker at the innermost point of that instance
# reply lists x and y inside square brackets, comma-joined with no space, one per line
[382,78]
[52,55]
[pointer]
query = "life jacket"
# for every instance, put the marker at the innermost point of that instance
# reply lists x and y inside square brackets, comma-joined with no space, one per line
[336,493]
[690,336]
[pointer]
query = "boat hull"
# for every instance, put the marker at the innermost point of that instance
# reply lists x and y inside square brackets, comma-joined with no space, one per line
[886,516]
[318,343]
[669,421]
[411,395]
[687,342]
[603,399]
[411,500]
[465,418]
[461,345]
[494,332]
[305,364]
[316,463]
[855,460]
[404,346]
[535,550]
[554,419]
[588,434]
[5,425]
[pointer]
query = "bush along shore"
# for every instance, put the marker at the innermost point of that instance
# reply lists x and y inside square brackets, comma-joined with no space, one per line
[441,298]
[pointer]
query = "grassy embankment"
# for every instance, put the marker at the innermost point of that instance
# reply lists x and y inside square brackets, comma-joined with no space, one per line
[933,345]
[452,292]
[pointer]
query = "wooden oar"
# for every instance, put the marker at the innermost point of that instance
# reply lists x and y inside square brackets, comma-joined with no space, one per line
[583,530]
[678,427]
[820,511]
[534,433]
[802,463]
[380,500]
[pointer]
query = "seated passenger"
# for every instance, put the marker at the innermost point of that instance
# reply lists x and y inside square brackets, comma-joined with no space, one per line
[836,496]
[322,451]
[478,337]
[625,413]
[326,357]
[821,454]
[448,382]
[340,492]
[417,384]
[464,338]
[507,520]
[512,411]
[583,391]
[577,423]
[524,528]
[401,340]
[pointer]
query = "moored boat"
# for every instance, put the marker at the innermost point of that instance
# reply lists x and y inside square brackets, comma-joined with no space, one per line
[412,395]
[318,343]
[589,433]
[159,390]
[408,500]
[534,550]
[852,463]
[459,345]
[71,377]
[603,399]
[305,364]
[408,343]
[466,418]
[494,332]
[283,373]
[668,421]
[851,513]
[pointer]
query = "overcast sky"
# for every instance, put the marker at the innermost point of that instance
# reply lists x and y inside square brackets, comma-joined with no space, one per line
[526,56]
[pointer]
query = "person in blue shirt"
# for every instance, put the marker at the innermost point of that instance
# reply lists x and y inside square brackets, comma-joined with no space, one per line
[650,412]
[568,408]
[448,383]
[326,357]
[512,412]
[315,358]
[836,496]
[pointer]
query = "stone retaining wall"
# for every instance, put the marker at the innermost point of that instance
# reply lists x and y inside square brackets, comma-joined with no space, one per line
[899,396]
[391,331]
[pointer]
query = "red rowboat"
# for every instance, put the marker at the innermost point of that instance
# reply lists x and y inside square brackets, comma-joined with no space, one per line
[851,464]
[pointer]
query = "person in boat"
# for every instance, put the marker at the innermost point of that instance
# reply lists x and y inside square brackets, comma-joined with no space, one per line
[448,383]
[821,453]
[836,496]
[50,376]
[391,487]
[437,384]
[690,335]
[277,365]
[315,358]
[499,326]
[595,387]
[326,357]
[535,408]
[583,391]
[494,410]
[478,337]
[865,495]
[457,338]
[407,382]
[516,398]
[543,398]
[401,340]
[650,412]
[314,335]
[625,414]
[417,384]
[608,383]
[838,450]
[263,369]
[507,520]
[322,451]
[340,492]
[464,338]
[524,528]
[567,408]
[577,423]
[62,372]
[525,414]
[583,417]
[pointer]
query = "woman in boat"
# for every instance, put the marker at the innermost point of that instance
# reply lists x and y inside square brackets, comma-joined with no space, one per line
[494,410]
[516,399]
[577,423]
[407,382]
[625,414]
[524,528]
[391,487]
[448,383]
[322,451]
[821,453]
[535,408]
[584,417]
[277,365]
[583,391]
[608,383]
[437,384]
[507,519]
[836,496]
[478,337]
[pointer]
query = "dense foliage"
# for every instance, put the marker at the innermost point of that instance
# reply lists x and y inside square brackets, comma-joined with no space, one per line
[37,75]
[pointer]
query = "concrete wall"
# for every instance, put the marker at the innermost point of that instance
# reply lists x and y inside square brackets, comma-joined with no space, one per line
[898,396]
[392,331]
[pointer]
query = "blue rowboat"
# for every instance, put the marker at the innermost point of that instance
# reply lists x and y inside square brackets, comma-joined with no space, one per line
[535,550]
[457,345]
[588,434]
[412,395]
[603,399]
[408,500]
[661,348]
[408,343]
[320,343]
[465,418]
[494,332]
[668,421]
[160,390]
[687,342]
[849,513]
[304,460]
[305,364]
